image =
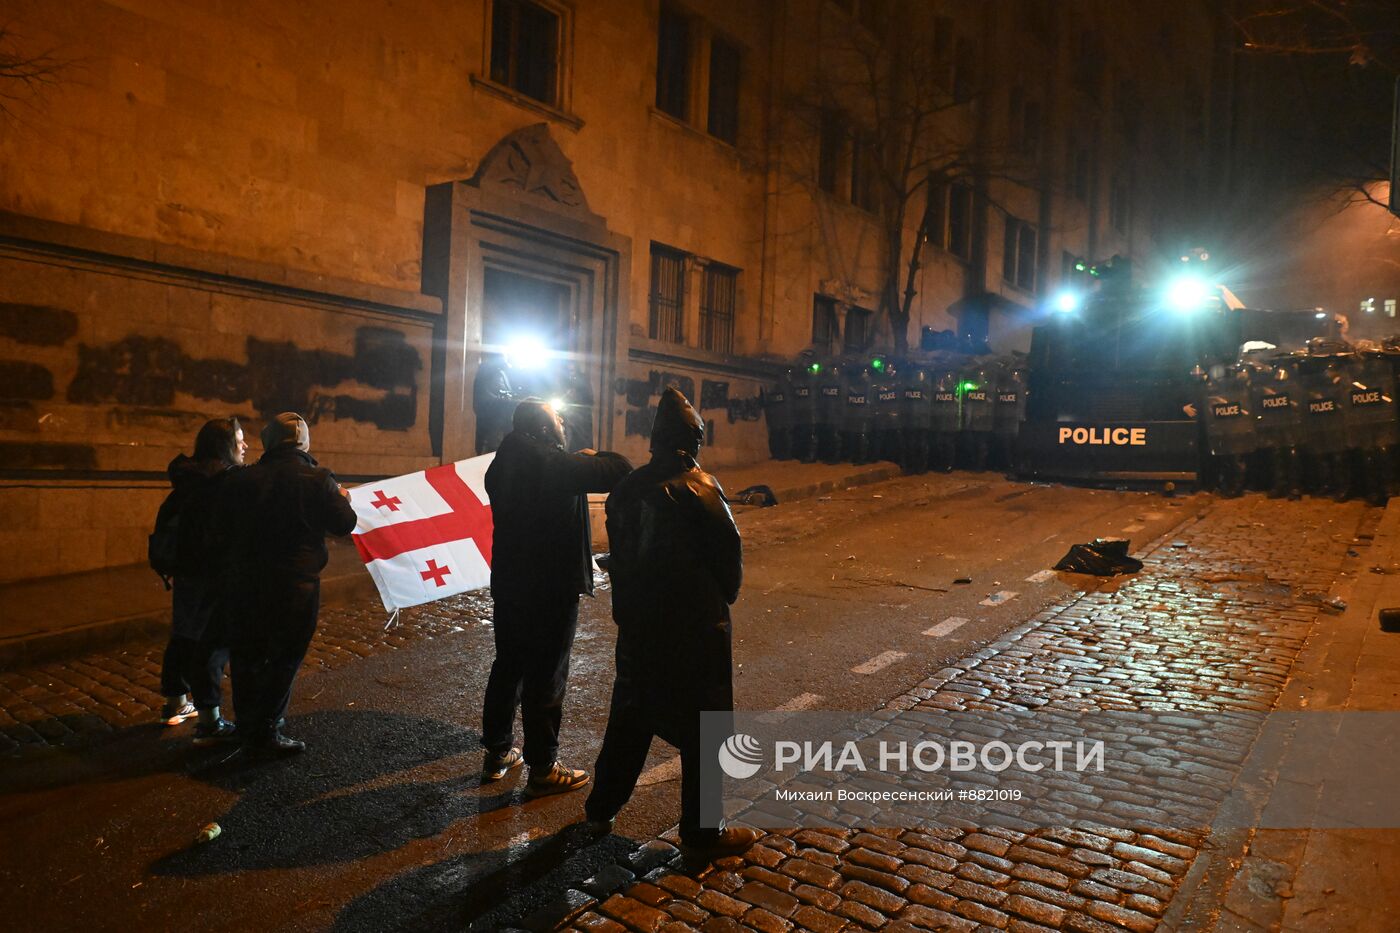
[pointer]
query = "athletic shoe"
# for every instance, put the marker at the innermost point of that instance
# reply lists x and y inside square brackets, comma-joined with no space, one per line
[173,715]
[214,733]
[558,779]
[495,765]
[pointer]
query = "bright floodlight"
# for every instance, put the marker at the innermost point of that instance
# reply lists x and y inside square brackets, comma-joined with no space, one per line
[557,404]
[1067,301]
[527,352]
[1187,293]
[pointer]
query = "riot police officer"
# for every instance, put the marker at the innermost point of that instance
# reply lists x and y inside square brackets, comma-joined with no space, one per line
[915,418]
[1278,411]
[1370,424]
[1324,424]
[830,405]
[858,415]
[886,392]
[494,397]
[978,416]
[776,409]
[1008,411]
[802,410]
[1229,426]
[945,421]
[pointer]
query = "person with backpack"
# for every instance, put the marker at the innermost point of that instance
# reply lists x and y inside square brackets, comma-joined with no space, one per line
[193,666]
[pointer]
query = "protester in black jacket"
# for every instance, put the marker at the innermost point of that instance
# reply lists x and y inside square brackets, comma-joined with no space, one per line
[676,563]
[193,666]
[275,516]
[541,561]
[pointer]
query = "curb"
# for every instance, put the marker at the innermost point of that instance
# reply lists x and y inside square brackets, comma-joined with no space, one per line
[346,583]
[144,628]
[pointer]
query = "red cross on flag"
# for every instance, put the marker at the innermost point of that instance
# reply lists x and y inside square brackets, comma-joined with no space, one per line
[426,535]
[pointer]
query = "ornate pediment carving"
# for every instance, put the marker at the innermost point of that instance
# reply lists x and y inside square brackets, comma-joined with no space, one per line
[529,162]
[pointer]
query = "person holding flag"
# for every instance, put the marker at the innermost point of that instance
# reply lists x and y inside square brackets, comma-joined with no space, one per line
[541,562]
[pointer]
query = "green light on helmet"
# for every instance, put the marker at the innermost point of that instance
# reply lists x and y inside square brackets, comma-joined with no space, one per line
[877,364]
[966,386]
[815,368]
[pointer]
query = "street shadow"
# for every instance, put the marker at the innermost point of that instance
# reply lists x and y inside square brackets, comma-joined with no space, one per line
[484,890]
[90,755]
[341,800]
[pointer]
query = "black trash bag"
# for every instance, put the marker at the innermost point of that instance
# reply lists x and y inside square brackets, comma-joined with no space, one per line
[761,496]
[1102,557]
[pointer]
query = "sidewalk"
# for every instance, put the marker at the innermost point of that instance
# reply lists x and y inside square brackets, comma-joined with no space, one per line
[1215,622]
[59,616]
[1322,879]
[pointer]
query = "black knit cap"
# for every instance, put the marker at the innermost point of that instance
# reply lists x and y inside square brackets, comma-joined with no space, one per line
[678,426]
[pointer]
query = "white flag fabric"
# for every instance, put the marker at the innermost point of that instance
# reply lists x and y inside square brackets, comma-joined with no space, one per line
[426,535]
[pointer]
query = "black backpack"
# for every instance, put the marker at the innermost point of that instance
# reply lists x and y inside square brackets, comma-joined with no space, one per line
[163,544]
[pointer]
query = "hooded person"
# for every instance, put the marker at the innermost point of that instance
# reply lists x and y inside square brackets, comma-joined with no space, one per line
[676,564]
[193,666]
[541,561]
[273,519]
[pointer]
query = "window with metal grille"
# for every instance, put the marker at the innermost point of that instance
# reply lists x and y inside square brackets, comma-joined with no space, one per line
[857,327]
[525,49]
[723,118]
[667,294]
[673,63]
[717,300]
[825,328]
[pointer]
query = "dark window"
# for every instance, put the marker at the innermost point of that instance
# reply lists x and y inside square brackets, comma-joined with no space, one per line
[833,138]
[857,324]
[1088,64]
[943,40]
[965,70]
[960,221]
[1118,205]
[1030,130]
[525,48]
[673,63]
[717,301]
[1018,254]
[936,213]
[667,294]
[1081,175]
[1016,119]
[825,329]
[723,120]
[864,183]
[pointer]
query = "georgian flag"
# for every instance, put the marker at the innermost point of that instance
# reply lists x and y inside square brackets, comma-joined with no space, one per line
[426,535]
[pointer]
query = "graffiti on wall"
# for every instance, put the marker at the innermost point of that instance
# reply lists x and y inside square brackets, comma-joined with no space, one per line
[641,397]
[149,372]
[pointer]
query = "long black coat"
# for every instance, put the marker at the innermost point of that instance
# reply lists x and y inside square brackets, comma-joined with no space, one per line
[677,563]
[541,548]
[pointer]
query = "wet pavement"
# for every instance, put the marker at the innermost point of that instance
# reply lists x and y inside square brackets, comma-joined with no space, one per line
[849,603]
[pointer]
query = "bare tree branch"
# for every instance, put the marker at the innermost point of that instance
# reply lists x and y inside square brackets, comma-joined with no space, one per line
[25,77]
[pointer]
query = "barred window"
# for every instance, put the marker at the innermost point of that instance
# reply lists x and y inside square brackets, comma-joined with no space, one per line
[667,294]
[717,301]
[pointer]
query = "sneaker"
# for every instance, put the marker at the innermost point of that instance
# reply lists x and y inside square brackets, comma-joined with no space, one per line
[559,779]
[732,840]
[174,714]
[212,733]
[495,765]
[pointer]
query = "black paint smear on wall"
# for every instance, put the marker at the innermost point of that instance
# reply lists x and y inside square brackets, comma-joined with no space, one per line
[714,394]
[37,325]
[21,380]
[279,376]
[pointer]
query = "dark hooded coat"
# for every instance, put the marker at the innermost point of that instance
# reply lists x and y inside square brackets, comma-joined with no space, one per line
[676,566]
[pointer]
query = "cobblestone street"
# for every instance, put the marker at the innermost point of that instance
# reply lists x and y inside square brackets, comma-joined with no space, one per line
[378,829]
[1213,623]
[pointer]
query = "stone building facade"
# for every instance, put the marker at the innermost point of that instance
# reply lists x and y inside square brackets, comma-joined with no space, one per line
[339,208]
